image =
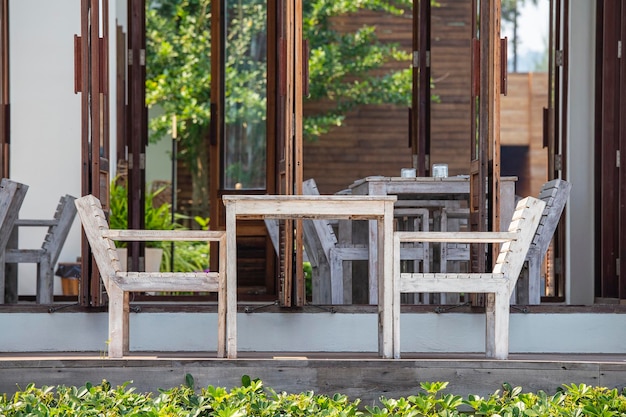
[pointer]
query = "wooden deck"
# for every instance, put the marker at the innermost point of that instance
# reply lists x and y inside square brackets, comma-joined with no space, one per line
[356,375]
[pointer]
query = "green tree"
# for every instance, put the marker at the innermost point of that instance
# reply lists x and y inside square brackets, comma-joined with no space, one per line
[178,78]
[346,70]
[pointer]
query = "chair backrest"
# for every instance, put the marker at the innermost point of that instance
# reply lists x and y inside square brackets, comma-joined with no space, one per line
[555,194]
[94,223]
[11,198]
[524,223]
[57,233]
[318,235]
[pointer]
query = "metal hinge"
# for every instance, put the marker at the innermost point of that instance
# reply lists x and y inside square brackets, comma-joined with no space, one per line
[142,57]
[428,59]
[416,59]
[617,266]
[619,49]
[618,158]
[558,57]
[293,125]
[558,162]
[142,161]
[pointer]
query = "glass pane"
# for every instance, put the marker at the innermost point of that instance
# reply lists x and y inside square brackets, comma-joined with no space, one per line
[245,94]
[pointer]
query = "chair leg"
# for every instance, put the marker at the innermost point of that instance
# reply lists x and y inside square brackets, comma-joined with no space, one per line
[497,312]
[118,321]
[336,276]
[45,281]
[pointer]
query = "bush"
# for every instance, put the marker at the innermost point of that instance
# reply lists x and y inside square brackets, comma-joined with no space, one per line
[252,399]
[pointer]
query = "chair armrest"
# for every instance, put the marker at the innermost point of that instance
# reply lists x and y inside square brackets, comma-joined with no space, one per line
[163,235]
[457,237]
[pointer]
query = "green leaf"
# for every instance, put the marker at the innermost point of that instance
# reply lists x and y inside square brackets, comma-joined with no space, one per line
[189,381]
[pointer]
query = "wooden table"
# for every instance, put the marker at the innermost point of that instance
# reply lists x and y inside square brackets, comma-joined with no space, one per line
[428,188]
[378,209]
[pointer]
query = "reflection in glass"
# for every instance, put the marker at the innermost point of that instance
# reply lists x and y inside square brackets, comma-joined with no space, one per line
[246,94]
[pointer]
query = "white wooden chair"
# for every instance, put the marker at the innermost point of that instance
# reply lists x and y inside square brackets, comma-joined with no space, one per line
[498,285]
[119,283]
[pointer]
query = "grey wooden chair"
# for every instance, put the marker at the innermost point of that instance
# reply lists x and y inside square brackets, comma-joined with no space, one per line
[555,194]
[47,256]
[332,283]
[11,198]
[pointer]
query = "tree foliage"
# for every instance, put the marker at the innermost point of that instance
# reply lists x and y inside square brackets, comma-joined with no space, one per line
[341,64]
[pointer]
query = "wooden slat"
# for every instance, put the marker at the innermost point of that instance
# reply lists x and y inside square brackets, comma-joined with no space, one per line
[158,281]
[460,237]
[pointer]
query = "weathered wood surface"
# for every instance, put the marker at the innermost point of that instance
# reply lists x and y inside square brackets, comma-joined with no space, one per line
[47,256]
[120,283]
[376,208]
[498,285]
[11,198]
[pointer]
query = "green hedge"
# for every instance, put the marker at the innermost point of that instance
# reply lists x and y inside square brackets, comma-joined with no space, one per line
[252,399]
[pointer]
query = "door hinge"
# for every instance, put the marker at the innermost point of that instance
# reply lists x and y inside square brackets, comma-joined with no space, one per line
[142,161]
[558,58]
[617,266]
[558,162]
[427,59]
[293,125]
[619,49]
[416,59]
[142,57]
[618,158]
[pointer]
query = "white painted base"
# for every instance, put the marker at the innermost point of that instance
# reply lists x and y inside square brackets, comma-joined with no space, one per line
[319,332]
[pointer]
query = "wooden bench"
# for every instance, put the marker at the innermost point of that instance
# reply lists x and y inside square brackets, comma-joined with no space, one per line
[47,256]
[11,198]
[119,284]
[316,207]
[498,285]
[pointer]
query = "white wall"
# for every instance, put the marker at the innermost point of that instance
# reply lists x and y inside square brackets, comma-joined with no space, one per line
[45,116]
[580,209]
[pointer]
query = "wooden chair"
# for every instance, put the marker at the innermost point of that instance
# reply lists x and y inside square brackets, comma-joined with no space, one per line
[528,291]
[11,198]
[326,255]
[555,194]
[498,285]
[119,284]
[47,256]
